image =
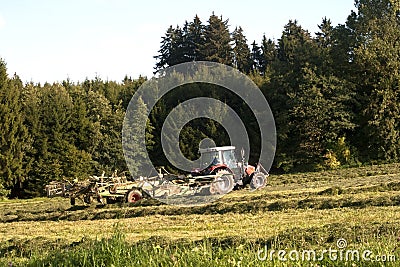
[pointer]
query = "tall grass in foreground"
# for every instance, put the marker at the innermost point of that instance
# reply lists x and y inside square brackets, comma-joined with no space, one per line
[116,251]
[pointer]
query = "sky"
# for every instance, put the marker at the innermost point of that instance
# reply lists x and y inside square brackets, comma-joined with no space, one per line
[50,41]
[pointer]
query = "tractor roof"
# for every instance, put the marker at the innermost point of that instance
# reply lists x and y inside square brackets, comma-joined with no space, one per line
[213,149]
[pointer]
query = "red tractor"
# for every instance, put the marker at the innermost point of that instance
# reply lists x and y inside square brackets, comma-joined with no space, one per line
[230,173]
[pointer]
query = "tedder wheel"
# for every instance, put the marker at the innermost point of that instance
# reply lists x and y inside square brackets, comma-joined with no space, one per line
[88,199]
[223,184]
[133,196]
[258,180]
[101,200]
[72,201]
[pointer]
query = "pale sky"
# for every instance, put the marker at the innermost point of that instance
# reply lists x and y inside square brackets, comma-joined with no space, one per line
[49,40]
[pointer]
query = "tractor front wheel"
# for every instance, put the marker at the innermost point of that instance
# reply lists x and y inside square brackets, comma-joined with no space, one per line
[258,180]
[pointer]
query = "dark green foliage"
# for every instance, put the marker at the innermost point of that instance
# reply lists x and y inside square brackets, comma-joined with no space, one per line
[58,129]
[195,39]
[133,144]
[192,132]
[217,47]
[61,131]
[14,138]
[166,50]
[256,57]
[175,48]
[241,51]
[195,42]
[313,108]
[377,63]
[269,53]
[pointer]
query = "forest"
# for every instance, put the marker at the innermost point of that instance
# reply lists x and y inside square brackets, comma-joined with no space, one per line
[334,94]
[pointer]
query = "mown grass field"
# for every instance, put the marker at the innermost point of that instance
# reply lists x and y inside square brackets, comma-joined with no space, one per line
[309,211]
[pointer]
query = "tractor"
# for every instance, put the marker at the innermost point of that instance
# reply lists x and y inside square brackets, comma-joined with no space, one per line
[230,173]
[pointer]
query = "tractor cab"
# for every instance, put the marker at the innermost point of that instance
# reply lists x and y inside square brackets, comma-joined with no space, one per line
[215,156]
[217,160]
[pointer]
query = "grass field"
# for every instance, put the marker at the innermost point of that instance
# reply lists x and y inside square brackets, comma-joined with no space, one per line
[295,213]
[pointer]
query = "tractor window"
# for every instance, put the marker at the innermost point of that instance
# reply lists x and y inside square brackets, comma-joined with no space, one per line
[230,159]
[208,158]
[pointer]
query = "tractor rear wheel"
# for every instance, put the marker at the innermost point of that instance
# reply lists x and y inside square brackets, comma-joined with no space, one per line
[258,180]
[223,184]
[133,196]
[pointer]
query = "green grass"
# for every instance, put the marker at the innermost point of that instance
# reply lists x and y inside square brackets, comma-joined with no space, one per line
[156,251]
[297,211]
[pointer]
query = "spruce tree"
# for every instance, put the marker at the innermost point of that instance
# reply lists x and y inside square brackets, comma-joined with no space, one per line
[195,38]
[14,135]
[324,36]
[256,58]
[135,139]
[217,46]
[165,52]
[241,51]
[268,48]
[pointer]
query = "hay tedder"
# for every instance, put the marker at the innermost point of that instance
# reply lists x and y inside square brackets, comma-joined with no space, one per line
[220,172]
[101,188]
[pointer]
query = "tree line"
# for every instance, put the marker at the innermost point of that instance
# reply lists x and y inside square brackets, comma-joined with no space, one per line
[334,94]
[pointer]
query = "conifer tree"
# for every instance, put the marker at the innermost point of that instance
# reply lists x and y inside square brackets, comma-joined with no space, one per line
[14,135]
[268,48]
[166,50]
[376,73]
[135,139]
[195,38]
[217,46]
[241,51]
[256,57]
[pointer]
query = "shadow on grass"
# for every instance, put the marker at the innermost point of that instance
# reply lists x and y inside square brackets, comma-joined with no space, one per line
[78,207]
